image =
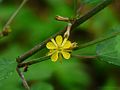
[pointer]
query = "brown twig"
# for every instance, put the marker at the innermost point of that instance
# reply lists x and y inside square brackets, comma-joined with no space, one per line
[6,29]
[23,79]
[34,61]
[76,23]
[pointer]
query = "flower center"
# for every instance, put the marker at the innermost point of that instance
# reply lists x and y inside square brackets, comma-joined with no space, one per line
[59,48]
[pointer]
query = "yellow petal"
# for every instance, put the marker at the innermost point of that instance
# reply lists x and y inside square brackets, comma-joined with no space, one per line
[54,57]
[67,45]
[51,52]
[50,45]
[59,40]
[64,41]
[66,55]
[54,42]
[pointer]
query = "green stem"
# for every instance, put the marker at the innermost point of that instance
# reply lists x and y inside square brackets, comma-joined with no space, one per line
[84,57]
[97,40]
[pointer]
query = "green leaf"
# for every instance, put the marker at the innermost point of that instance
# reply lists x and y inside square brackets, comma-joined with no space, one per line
[7,67]
[109,50]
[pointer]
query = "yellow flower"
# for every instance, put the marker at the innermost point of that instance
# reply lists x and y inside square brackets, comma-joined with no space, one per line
[59,47]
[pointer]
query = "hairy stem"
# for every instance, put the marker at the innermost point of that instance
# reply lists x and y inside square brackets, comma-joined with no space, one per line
[7,25]
[75,24]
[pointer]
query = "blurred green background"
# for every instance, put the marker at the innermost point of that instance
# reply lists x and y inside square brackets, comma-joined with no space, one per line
[35,23]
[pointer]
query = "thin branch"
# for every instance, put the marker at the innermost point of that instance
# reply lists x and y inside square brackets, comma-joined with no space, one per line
[76,23]
[23,79]
[97,40]
[6,28]
[34,61]
[84,57]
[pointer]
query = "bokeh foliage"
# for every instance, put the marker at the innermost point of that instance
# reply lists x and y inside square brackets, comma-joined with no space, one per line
[35,23]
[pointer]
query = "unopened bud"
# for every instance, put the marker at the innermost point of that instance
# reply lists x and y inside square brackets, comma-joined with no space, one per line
[60,18]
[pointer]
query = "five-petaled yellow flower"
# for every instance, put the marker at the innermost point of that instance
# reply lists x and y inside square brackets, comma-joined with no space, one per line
[59,47]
